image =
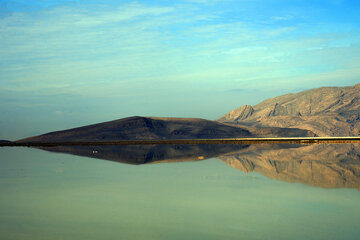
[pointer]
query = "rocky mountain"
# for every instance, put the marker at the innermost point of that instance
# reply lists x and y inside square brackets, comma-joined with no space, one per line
[327,111]
[133,128]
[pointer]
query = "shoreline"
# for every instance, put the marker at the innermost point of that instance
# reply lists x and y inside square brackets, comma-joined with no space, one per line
[291,140]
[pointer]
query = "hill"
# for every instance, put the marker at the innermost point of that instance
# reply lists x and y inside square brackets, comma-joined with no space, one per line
[327,111]
[142,128]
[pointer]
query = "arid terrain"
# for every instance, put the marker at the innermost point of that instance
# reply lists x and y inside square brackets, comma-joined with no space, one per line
[326,111]
[146,128]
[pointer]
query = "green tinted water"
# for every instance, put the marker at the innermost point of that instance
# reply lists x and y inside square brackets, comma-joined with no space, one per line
[56,196]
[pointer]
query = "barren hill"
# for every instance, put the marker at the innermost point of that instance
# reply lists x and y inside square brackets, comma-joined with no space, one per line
[142,128]
[327,111]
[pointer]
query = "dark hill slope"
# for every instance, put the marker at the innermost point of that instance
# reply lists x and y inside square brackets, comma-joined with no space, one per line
[145,128]
[327,111]
[141,128]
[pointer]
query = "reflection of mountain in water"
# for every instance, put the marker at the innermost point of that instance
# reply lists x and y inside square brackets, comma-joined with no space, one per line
[322,165]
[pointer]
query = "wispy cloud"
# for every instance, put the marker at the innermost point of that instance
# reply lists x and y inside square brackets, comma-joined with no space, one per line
[141,50]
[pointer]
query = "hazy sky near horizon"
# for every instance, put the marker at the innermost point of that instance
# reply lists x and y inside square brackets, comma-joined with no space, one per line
[70,63]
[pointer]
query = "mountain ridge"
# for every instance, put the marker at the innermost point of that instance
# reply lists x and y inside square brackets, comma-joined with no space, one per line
[323,112]
[326,111]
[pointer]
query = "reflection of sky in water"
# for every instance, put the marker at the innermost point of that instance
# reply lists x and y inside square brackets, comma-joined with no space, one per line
[56,196]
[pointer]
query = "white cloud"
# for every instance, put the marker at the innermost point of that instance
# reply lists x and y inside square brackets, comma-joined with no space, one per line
[281,18]
[58,112]
[123,49]
[123,13]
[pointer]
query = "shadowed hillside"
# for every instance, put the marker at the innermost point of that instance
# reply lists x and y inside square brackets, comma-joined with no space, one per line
[144,128]
[137,128]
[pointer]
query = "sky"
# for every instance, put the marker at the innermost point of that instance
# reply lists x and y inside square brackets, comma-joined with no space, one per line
[70,63]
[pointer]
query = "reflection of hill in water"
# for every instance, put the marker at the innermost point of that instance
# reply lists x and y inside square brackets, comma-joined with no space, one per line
[322,165]
[142,154]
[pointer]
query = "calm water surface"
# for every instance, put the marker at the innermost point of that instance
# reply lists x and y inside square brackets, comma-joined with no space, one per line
[252,192]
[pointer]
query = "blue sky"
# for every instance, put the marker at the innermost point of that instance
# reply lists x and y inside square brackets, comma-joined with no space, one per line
[70,63]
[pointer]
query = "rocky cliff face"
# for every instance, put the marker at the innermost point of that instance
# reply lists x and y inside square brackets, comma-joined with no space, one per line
[328,111]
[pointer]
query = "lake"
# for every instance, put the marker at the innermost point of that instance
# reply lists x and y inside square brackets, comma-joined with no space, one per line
[260,191]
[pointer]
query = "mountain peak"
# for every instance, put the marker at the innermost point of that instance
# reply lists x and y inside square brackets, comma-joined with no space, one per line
[240,113]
